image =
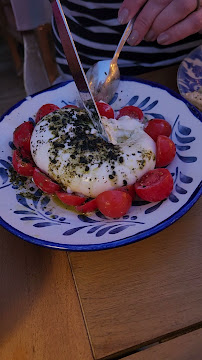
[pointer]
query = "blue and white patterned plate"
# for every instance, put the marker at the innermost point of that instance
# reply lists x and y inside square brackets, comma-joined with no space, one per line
[41,221]
[189,77]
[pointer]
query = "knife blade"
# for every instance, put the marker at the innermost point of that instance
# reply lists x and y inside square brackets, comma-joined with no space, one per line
[76,67]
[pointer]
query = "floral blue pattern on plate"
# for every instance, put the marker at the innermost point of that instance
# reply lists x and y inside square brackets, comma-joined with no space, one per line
[38,219]
[189,77]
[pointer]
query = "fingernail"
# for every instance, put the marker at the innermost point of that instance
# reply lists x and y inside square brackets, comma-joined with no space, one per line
[123,16]
[162,38]
[150,36]
[133,38]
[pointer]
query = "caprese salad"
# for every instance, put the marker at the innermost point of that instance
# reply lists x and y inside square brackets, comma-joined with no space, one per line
[66,157]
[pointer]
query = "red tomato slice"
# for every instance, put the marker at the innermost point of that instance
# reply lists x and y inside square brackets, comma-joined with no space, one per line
[88,207]
[129,189]
[156,127]
[69,106]
[23,165]
[105,109]
[69,199]
[156,185]
[165,151]
[45,110]
[44,183]
[22,136]
[131,111]
[114,203]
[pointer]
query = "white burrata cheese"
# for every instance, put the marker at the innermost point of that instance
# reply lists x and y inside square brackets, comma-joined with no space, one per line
[66,147]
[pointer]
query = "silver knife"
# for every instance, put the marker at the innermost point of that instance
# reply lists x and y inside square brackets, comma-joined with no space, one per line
[76,67]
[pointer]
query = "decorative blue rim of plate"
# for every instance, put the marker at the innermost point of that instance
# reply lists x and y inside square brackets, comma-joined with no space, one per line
[130,239]
[189,75]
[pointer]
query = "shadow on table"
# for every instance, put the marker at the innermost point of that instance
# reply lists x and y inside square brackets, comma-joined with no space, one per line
[20,262]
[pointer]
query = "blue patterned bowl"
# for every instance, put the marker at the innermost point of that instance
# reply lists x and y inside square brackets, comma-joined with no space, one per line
[41,221]
[189,77]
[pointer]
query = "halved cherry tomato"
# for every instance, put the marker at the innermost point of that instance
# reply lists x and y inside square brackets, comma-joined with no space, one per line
[105,109]
[45,110]
[165,151]
[88,207]
[155,185]
[23,165]
[156,127]
[22,136]
[69,106]
[114,203]
[44,183]
[131,111]
[69,199]
[129,189]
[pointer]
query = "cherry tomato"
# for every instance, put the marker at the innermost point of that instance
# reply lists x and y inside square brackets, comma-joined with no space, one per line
[69,199]
[131,111]
[88,207]
[114,203]
[165,151]
[44,183]
[129,189]
[69,106]
[23,165]
[155,185]
[105,109]
[45,110]
[22,136]
[156,127]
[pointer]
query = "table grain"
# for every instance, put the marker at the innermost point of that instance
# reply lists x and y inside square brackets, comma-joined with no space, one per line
[185,347]
[137,294]
[40,315]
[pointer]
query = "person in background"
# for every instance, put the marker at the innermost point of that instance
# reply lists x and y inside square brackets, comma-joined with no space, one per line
[165,31]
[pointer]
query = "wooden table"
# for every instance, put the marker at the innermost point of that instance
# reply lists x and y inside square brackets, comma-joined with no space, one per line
[138,302]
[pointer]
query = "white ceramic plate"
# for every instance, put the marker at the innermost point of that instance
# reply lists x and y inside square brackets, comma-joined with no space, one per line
[189,77]
[42,222]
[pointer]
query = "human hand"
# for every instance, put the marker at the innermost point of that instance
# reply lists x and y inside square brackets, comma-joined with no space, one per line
[166,21]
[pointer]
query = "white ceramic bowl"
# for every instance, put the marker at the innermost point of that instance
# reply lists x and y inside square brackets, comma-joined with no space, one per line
[43,222]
